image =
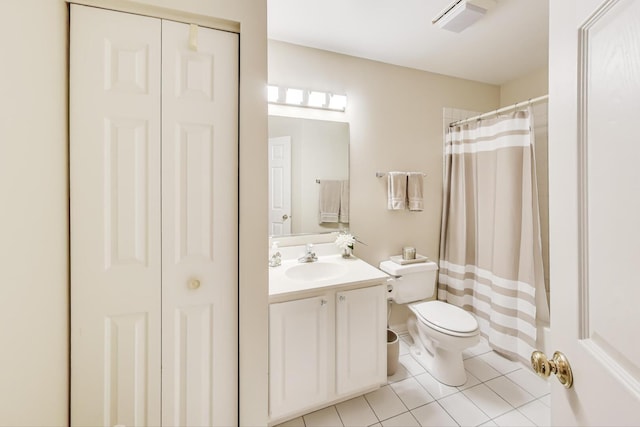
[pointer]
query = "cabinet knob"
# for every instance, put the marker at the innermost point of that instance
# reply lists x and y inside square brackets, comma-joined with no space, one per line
[193,284]
[342,298]
[323,302]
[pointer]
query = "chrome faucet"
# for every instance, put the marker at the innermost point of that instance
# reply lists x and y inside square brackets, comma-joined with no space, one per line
[309,256]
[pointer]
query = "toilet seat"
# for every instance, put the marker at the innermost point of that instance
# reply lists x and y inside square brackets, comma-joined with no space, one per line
[446,318]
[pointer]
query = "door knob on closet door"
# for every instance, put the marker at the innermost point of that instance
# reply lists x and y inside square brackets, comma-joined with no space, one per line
[559,365]
[193,284]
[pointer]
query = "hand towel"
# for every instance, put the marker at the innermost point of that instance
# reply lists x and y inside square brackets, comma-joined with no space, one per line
[397,191]
[415,190]
[329,200]
[344,202]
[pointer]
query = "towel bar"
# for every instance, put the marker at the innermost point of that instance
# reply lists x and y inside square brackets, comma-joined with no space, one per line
[381,174]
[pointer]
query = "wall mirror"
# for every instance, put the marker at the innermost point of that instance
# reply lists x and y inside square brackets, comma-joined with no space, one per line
[302,154]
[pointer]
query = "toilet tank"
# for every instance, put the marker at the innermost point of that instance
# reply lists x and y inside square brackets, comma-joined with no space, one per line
[414,282]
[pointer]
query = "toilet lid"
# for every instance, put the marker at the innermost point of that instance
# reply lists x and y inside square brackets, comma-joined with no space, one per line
[446,316]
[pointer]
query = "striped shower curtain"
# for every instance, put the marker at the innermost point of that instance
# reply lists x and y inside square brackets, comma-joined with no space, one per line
[490,247]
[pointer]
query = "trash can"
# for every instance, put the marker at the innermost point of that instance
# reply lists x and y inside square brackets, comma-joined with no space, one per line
[393,350]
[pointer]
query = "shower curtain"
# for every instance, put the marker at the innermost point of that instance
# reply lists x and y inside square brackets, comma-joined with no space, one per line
[490,248]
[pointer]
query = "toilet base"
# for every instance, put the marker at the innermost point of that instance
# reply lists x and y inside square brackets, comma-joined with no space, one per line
[444,365]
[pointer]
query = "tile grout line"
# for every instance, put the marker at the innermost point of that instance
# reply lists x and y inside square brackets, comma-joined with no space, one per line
[502,374]
[339,416]
[516,408]
[372,410]
[410,374]
[401,401]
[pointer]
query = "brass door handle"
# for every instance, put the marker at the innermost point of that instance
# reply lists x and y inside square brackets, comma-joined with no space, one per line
[193,284]
[285,217]
[559,365]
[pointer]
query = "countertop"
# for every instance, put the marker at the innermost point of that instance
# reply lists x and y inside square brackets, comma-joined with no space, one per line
[357,272]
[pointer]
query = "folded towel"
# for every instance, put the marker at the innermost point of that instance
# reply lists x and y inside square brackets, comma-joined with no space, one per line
[344,203]
[329,200]
[397,191]
[415,190]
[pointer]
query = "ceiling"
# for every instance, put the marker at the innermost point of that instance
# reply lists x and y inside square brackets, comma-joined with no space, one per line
[510,41]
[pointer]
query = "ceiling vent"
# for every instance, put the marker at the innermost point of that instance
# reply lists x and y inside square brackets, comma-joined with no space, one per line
[458,16]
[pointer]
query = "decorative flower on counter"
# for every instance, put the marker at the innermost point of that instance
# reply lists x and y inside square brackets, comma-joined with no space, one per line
[345,242]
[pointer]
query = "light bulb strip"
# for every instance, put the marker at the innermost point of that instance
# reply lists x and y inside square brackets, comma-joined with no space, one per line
[294,97]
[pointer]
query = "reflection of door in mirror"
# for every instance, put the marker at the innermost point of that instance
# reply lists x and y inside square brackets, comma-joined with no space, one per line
[319,150]
[280,185]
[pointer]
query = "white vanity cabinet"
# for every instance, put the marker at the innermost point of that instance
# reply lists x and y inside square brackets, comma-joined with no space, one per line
[361,319]
[325,348]
[300,348]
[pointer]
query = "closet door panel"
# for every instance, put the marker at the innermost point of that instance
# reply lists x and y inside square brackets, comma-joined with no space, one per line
[115,221]
[199,231]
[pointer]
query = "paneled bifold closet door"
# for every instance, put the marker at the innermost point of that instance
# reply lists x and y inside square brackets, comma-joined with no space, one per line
[153,187]
[199,226]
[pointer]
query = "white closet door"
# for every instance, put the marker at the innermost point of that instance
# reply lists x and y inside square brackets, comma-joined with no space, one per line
[115,205]
[199,231]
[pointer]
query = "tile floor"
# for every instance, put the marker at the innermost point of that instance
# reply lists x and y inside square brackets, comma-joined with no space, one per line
[498,392]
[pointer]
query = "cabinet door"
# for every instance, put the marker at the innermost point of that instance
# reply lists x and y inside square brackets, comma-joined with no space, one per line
[361,350]
[300,341]
[115,218]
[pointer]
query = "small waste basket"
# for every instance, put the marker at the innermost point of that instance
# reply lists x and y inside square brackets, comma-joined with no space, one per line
[393,350]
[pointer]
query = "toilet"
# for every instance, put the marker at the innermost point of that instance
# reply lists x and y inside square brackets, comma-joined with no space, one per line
[440,331]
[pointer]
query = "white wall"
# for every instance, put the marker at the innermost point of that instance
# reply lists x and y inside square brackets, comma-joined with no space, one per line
[395,120]
[33,218]
[526,87]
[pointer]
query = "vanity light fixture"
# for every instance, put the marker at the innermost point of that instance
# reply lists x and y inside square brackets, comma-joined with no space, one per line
[273,93]
[317,99]
[294,96]
[338,102]
[306,98]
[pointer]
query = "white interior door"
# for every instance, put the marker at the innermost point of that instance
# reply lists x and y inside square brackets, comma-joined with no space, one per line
[280,185]
[199,227]
[594,232]
[115,221]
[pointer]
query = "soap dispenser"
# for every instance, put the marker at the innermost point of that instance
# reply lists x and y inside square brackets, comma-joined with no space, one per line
[275,259]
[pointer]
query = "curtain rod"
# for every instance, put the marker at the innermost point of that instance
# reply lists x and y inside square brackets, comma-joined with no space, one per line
[500,110]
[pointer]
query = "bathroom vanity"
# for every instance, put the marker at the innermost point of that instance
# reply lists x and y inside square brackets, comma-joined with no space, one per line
[327,332]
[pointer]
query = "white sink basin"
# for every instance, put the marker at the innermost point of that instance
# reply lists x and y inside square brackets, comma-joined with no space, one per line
[315,271]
